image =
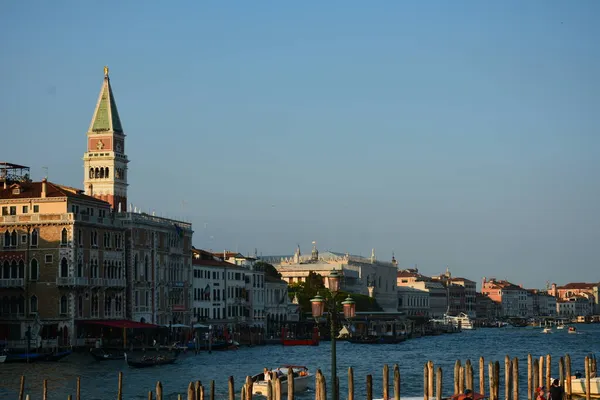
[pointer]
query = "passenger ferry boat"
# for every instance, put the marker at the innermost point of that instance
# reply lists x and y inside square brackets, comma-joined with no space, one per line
[462,321]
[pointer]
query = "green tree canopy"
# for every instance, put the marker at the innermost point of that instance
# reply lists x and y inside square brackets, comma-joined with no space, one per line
[268,268]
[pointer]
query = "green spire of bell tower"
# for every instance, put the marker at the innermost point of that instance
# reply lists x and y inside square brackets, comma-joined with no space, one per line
[106,116]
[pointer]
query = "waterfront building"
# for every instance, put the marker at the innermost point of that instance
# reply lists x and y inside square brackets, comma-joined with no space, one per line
[62,258]
[413,302]
[159,259]
[486,309]
[540,304]
[438,295]
[278,307]
[574,306]
[461,293]
[367,276]
[589,290]
[219,290]
[511,298]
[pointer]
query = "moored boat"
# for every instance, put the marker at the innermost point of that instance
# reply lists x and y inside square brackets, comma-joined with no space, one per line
[301,374]
[2,359]
[572,329]
[23,357]
[368,339]
[56,356]
[578,387]
[153,361]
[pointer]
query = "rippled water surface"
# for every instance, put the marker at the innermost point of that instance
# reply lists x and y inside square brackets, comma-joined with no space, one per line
[99,379]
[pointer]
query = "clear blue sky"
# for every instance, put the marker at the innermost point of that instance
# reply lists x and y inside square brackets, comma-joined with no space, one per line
[459,133]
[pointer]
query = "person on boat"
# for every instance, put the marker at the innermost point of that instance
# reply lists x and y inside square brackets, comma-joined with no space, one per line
[540,393]
[556,391]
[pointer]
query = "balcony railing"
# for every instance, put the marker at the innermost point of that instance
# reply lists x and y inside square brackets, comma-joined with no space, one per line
[14,282]
[72,281]
[114,282]
[96,282]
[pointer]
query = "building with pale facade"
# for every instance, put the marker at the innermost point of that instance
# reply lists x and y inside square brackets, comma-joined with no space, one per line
[366,276]
[413,302]
[438,294]
[589,290]
[511,298]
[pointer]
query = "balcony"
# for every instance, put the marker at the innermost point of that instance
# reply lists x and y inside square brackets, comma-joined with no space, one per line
[71,281]
[11,283]
[118,283]
[96,282]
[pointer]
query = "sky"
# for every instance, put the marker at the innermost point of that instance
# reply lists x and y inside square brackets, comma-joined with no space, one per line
[459,134]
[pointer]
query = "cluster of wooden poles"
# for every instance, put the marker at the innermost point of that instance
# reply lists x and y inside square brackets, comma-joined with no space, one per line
[537,375]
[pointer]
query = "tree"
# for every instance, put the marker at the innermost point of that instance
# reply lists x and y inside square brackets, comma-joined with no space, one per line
[269,270]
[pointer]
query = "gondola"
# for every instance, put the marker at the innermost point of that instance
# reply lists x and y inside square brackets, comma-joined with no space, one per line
[56,356]
[154,361]
[365,339]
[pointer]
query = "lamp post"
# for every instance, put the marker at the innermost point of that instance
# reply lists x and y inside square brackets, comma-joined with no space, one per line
[318,307]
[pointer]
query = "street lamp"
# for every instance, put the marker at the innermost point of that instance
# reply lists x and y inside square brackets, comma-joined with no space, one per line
[318,307]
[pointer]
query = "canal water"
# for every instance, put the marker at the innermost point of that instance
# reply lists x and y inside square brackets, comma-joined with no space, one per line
[99,379]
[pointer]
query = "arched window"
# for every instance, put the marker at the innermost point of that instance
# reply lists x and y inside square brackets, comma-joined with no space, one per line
[63,304]
[13,269]
[91,173]
[106,175]
[21,305]
[146,269]
[80,306]
[34,237]
[97,173]
[33,304]
[6,270]
[21,269]
[64,236]
[101,172]
[7,239]
[13,238]
[64,268]
[34,271]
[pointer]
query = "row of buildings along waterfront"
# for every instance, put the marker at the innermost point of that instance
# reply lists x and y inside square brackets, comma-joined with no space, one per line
[74,259]
[432,297]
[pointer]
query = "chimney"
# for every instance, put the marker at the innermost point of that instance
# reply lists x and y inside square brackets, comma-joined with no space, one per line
[44,181]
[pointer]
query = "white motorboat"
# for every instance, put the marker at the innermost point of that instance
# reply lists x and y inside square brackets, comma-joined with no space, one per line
[547,330]
[572,329]
[578,386]
[2,359]
[462,321]
[302,377]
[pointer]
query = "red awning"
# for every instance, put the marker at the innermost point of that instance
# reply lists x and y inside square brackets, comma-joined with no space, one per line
[120,323]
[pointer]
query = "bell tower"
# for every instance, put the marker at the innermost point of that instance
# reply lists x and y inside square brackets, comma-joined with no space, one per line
[105,162]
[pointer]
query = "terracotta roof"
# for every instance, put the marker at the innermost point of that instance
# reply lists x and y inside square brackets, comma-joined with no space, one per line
[33,190]
[460,280]
[407,273]
[578,285]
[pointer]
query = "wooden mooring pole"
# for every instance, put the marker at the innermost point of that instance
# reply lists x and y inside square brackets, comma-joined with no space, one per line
[396,382]
[431,376]
[529,377]
[438,385]
[515,378]
[481,375]
[350,383]
[548,371]
[386,382]
[568,386]
[457,377]
[369,387]
[426,382]
[588,378]
[507,377]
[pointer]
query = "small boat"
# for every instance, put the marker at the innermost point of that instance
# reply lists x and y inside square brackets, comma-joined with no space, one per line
[153,361]
[578,386]
[56,356]
[368,339]
[23,357]
[300,342]
[572,329]
[301,374]
[547,330]
[2,359]
[103,355]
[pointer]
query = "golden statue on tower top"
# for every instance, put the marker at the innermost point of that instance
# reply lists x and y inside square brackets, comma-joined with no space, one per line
[105,71]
